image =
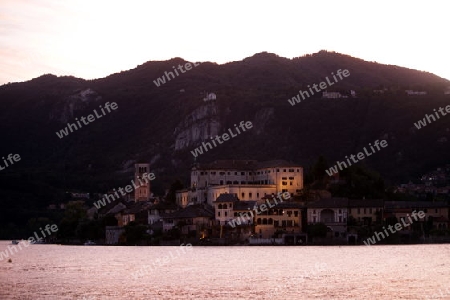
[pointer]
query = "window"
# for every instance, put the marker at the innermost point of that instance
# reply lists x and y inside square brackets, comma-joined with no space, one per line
[340,211]
[290,183]
[296,213]
[284,190]
[222,173]
[243,195]
[213,173]
[284,170]
[257,195]
[228,173]
[242,173]
[201,173]
[278,170]
[226,214]
[283,178]
[291,178]
[298,170]
[218,213]
[364,210]
[250,195]
[221,182]
[291,170]
[283,183]
[314,219]
[235,173]
[370,210]
[340,219]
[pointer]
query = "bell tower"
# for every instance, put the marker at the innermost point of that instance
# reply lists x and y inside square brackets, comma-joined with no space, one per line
[142,192]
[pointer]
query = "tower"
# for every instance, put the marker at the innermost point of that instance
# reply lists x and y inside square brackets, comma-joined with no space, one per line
[142,192]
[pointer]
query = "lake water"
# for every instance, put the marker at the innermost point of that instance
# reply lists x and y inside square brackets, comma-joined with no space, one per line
[97,272]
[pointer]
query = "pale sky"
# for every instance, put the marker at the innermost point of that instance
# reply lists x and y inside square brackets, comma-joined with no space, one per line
[92,39]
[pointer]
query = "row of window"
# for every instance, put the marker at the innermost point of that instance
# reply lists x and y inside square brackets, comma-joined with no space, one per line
[142,169]
[251,173]
[275,212]
[330,220]
[314,211]
[276,223]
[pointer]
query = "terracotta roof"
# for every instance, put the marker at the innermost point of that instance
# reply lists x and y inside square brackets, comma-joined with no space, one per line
[164,206]
[329,203]
[243,165]
[244,205]
[414,204]
[226,198]
[287,205]
[191,211]
[365,203]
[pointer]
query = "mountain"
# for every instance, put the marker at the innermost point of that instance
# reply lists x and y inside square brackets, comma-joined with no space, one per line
[164,124]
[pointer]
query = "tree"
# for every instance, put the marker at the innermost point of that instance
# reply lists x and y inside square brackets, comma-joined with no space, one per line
[134,233]
[317,230]
[175,186]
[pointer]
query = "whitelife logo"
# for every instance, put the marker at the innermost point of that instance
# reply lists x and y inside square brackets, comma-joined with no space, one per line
[427,120]
[31,240]
[65,132]
[397,226]
[323,85]
[360,156]
[224,136]
[11,158]
[243,217]
[162,80]
[128,189]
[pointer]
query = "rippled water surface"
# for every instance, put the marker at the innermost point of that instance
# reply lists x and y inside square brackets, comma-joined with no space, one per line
[97,272]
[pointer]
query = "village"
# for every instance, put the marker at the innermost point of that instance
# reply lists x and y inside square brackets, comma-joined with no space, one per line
[246,202]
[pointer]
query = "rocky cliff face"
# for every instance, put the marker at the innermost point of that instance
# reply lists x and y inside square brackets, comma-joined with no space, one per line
[198,126]
[78,101]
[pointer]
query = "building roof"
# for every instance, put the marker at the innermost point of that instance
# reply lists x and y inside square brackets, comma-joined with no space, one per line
[329,203]
[191,211]
[365,203]
[277,164]
[245,165]
[164,206]
[226,198]
[287,205]
[414,204]
[136,207]
[244,205]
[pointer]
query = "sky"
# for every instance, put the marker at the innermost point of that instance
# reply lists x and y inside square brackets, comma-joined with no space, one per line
[92,39]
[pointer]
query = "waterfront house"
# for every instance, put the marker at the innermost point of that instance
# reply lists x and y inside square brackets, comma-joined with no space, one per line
[332,212]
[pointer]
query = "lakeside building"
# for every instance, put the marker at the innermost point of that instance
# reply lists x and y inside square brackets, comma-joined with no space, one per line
[436,213]
[249,180]
[366,212]
[333,212]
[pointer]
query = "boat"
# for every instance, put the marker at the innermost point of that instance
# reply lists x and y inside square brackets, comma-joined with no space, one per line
[89,243]
[14,242]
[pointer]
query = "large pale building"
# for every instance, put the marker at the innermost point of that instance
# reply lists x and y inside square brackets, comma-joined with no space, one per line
[249,180]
